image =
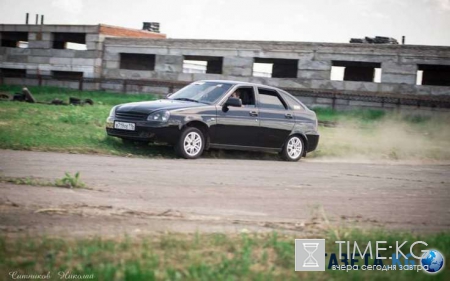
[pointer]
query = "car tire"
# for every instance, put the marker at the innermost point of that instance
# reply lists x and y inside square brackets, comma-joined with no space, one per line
[191,143]
[293,149]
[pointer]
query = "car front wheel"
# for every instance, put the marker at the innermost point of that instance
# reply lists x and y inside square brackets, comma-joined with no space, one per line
[191,143]
[293,149]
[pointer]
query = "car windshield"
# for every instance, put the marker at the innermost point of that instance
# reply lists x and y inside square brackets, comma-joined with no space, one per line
[204,92]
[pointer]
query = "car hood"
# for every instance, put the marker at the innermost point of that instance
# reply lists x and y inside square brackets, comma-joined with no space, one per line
[148,107]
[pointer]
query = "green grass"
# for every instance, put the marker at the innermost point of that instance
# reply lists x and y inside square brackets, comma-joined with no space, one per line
[365,115]
[368,134]
[47,94]
[75,129]
[198,256]
[68,181]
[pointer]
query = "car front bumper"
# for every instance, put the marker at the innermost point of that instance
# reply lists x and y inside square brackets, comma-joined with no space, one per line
[145,131]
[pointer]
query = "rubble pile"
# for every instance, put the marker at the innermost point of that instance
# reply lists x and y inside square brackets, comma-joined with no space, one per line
[376,40]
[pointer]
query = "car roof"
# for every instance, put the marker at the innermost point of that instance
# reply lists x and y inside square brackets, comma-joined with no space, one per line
[240,83]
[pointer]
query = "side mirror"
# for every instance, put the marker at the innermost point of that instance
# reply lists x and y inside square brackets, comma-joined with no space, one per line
[168,95]
[231,102]
[234,102]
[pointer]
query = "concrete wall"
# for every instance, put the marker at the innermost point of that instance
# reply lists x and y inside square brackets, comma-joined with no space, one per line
[41,58]
[398,62]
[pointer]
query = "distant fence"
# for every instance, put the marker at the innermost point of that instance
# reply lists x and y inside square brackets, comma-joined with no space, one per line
[330,98]
[384,99]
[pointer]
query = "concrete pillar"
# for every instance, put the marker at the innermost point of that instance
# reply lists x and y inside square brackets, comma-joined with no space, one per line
[312,69]
[40,44]
[40,40]
[168,63]
[237,66]
[393,72]
[94,42]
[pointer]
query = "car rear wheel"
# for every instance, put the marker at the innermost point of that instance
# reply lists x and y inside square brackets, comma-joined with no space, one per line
[293,149]
[191,143]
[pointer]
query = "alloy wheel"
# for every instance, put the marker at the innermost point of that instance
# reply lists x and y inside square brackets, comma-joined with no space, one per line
[192,143]
[294,147]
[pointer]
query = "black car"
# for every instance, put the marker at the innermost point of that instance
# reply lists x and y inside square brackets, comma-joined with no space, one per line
[220,114]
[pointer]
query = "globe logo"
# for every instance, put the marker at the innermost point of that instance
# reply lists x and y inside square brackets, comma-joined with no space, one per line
[433,260]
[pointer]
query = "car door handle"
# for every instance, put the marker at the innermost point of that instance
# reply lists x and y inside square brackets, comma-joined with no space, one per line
[288,116]
[253,113]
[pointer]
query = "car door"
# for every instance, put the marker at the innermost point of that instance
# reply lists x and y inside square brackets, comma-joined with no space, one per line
[275,118]
[237,126]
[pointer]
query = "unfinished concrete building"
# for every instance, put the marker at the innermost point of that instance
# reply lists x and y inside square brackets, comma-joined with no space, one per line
[57,55]
[376,70]
[302,65]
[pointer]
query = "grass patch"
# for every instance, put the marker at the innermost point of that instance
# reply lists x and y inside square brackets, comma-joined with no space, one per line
[73,129]
[197,256]
[47,94]
[67,181]
[363,115]
[70,181]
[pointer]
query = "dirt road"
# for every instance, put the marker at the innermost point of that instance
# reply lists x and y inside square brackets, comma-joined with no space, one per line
[146,195]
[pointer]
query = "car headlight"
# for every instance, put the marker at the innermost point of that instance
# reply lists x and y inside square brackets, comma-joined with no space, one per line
[112,113]
[160,116]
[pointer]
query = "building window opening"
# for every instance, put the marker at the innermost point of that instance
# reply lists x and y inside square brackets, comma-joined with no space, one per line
[15,39]
[13,73]
[67,75]
[144,62]
[65,40]
[202,64]
[356,71]
[433,75]
[262,69]
[277,68]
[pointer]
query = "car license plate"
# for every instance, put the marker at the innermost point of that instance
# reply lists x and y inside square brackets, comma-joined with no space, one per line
[124,126]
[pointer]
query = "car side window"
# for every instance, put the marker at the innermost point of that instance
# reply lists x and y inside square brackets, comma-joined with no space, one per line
[270,99]
[246,94]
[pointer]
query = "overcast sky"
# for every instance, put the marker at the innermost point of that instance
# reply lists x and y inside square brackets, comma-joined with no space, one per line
[421,21]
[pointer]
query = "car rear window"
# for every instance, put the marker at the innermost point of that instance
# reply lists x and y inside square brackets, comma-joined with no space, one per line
[293,102]
[269,99]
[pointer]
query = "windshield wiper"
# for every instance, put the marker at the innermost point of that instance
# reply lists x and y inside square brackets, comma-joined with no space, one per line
[187,99]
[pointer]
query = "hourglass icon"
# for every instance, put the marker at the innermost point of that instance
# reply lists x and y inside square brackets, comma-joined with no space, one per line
[310,260]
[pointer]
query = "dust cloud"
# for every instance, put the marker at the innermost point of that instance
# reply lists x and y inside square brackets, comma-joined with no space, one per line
[393,137]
